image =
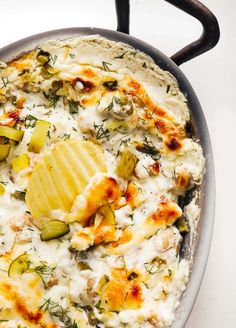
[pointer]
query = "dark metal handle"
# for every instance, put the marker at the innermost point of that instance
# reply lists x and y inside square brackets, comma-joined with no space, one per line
[210,35]
[122,13]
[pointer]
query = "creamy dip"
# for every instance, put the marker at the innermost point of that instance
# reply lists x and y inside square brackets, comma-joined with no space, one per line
[129,274]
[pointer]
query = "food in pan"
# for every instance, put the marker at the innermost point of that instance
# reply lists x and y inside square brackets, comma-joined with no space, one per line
[95,160]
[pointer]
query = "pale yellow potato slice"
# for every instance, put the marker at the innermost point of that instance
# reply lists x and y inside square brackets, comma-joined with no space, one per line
[61,175]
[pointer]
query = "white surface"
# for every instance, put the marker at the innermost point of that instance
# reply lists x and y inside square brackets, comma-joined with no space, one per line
[213,77]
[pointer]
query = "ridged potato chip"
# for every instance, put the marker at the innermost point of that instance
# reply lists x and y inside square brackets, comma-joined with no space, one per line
[61,175]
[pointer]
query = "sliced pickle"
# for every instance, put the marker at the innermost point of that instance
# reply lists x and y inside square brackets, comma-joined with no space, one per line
[114,125]
[19,265]
[2,190]
[54,229]
[126,164]
[4,151]
[47,71]
[43,57]
[39,135]
[20,163]
[11,133]
[182,225]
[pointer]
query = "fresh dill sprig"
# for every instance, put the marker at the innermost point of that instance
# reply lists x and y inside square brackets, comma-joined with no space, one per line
[72,56]
[66,136]
[101,132]
[148,148]
[120,56]
[105,66]
[57,311]
[45,272]
[52,99]
[5,82]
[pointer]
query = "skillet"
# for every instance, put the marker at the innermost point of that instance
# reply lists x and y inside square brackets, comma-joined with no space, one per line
[198,126]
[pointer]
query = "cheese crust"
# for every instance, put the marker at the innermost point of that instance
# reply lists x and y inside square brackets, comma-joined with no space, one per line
[95,159]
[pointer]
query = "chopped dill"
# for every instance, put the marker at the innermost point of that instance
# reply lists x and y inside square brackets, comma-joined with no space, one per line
[44,271]
[105,66]
[4,183]
[57,311]
[120,56]
[5,82]
[101,132]
[19,195]
[30,121]
[72,56]
[66,136]
[52,98]
[148,148]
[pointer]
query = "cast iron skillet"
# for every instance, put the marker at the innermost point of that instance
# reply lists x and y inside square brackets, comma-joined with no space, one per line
[208,40]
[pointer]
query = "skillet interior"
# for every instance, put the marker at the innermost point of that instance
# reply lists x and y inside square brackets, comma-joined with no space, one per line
[200,131]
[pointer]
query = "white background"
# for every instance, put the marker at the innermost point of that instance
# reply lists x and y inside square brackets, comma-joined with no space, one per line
[213,77]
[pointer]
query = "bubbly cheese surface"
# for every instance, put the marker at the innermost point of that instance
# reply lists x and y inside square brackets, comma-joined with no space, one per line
[94,160]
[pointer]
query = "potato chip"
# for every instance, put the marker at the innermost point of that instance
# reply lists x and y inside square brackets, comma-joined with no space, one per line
[61,175]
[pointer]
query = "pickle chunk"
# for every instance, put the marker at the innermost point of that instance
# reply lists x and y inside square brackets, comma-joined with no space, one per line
[19,265]
[20,163]
[2,190]
[39,135]
[182,225]
[54,229]
[126,164]
[11,133]
[4,151]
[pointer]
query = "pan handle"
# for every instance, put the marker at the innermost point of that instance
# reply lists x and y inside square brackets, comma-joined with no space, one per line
[208,39]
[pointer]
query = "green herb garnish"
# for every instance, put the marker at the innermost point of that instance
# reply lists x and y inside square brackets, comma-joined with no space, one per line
[105,66]
[45,272]
[120,56]
[53,99]
[101,133]
[19,195]
[148,148]
[5,82]
[66,136]
[30,121]
[72,56]
[73,106]
[155,265]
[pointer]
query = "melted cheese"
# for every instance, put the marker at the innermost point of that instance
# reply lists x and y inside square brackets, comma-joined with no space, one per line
[119,265]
